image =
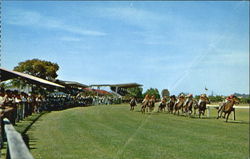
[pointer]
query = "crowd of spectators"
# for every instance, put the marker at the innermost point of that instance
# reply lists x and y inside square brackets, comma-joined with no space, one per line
[16,105]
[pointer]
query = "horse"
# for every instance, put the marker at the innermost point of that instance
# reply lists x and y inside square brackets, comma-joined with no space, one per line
[227,108]
[202,105]
[151,104]
[188,107]
[171,103]
[143,106]
[132,104]
[179,104]
[145,102]
[162,105]
[195,106]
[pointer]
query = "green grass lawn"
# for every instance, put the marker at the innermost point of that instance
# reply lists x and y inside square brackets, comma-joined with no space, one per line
[113,132]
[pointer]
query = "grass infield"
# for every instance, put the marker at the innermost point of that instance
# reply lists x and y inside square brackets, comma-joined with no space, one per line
[114,132]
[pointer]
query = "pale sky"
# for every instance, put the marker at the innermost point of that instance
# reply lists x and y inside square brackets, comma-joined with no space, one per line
[181,46]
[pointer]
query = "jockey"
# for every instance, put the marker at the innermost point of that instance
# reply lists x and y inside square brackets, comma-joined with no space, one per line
[201,98]
[153,97]
[189,97]
[146,98]
[181,96]
[164,99]
[229,98]
[171,98]
[133,99]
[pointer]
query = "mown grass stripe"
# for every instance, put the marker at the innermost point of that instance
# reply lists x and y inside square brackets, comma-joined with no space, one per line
[114,132]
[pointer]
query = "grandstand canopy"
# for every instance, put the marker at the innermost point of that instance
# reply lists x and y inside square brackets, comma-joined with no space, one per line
[71,84]
[8,74]
[125,85]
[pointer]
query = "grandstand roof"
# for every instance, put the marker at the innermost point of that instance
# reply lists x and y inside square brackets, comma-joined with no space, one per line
[71,83]
[8,74]
[125,85]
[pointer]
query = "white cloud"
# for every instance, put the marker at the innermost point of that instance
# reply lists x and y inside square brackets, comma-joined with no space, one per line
[35,19]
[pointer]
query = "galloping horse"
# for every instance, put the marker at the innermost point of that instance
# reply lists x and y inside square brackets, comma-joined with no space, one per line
[227,108]
[179,104]
[202,104]
[151,104]
[163,104]
[195,106]
[171,103]
[145,103]
[132,104]
[188,105]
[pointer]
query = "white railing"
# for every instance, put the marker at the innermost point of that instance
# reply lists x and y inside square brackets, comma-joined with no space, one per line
[16,146]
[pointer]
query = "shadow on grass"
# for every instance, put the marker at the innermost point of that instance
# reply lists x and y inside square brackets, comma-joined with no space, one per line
[32,122]
[237,122]
[203,117]
[26,137]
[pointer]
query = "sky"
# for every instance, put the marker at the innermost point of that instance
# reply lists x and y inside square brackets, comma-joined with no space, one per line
[174,45]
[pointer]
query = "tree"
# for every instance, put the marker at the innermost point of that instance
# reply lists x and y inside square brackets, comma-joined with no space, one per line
[216,98]
[165,92]
[135,92]
[152,91]
[39,68]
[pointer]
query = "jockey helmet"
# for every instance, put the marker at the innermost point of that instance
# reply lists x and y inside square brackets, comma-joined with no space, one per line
[203,95]
[182,95]
[172,96]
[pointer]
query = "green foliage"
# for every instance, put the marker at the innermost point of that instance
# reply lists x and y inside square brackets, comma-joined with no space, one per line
[197,97]
[39,68]
[152,91]
[245,100]
[216,98]
[135,92]
[165,92]
[5,85]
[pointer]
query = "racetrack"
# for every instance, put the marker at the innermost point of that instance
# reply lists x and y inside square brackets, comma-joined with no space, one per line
[113,132]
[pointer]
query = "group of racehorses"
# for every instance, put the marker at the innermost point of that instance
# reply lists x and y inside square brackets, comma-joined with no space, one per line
[186,104]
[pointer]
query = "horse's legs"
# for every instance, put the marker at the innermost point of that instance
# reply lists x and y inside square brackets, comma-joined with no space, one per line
[142,109]
[224,115]
[234,114]
[219,113]
[228,115]
[190,112]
